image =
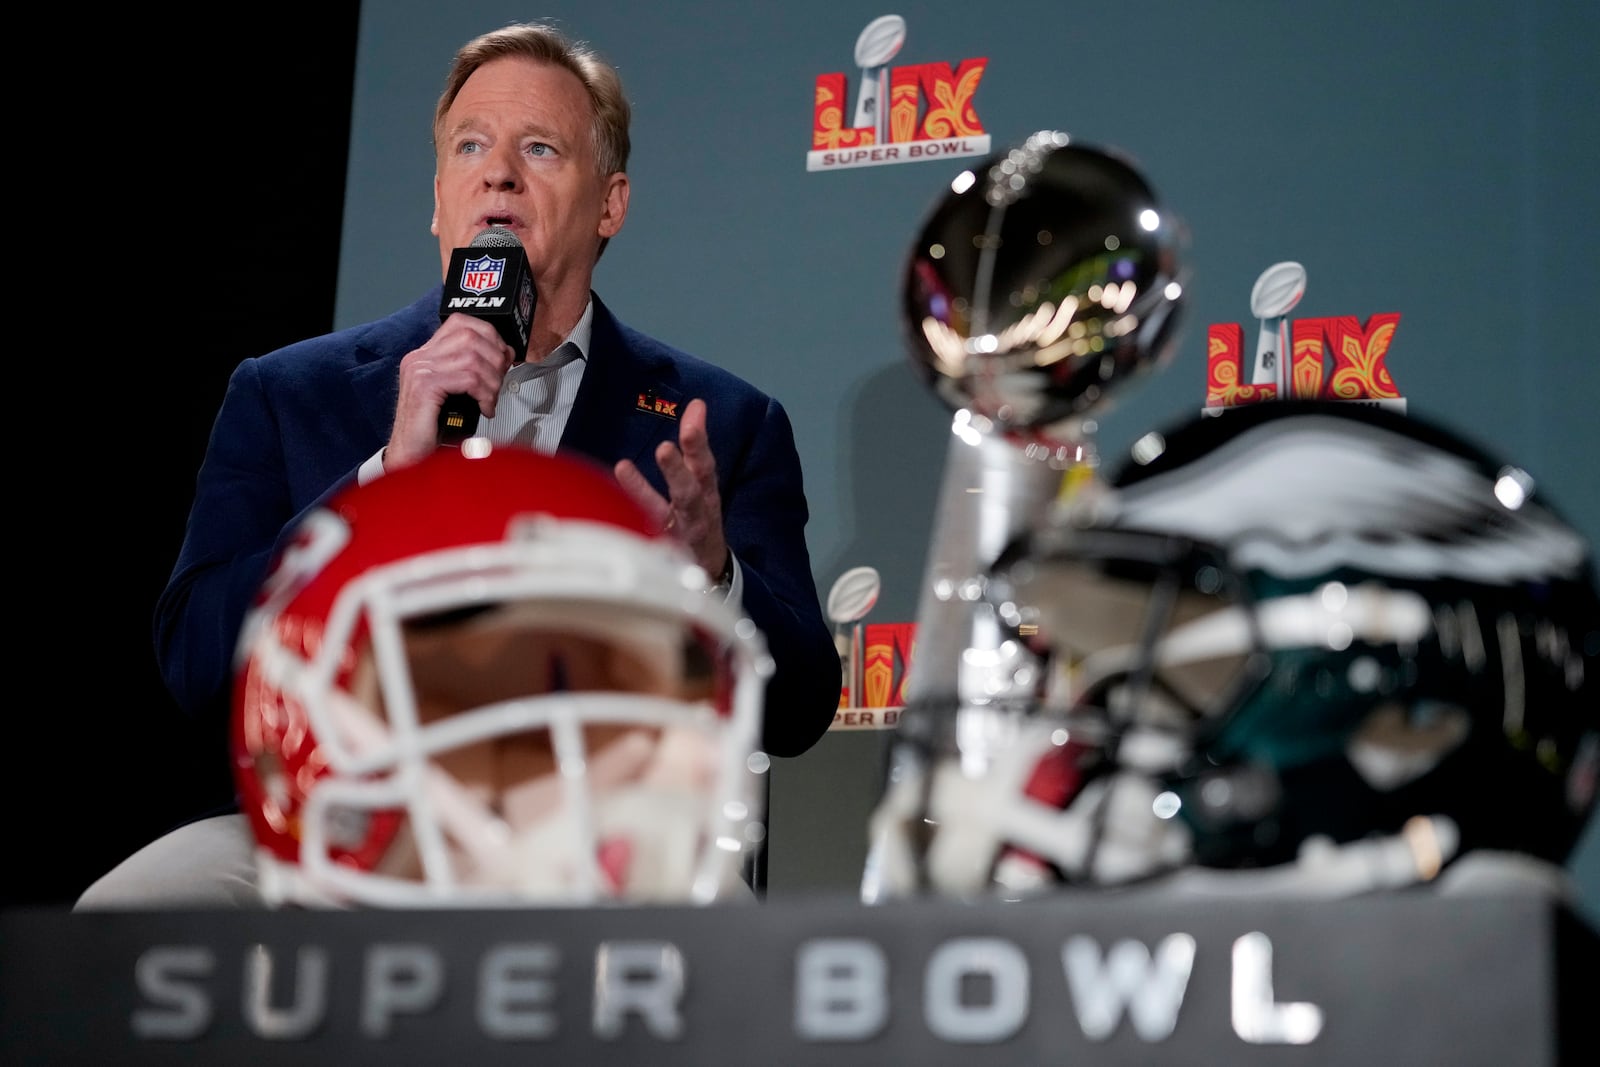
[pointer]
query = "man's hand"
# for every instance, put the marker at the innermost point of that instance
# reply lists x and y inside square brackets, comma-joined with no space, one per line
[692,510]
[465,355]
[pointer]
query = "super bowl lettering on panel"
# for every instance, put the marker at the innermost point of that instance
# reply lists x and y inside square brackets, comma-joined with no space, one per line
[902,114]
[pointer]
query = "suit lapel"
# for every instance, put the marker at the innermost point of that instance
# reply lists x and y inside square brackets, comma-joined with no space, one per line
[375,378]
[606,422]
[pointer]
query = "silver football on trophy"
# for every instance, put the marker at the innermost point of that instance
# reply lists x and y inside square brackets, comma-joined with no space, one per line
[1046,278]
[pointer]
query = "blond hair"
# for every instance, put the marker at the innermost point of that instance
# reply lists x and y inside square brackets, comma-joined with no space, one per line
[544,43]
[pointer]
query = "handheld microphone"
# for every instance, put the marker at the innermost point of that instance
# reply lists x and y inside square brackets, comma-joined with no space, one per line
[490,279]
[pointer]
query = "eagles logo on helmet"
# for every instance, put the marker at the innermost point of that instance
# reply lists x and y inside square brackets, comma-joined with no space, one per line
[489,680]
[1309,647]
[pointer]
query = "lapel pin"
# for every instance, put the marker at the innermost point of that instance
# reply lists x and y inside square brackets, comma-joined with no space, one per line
[655,405]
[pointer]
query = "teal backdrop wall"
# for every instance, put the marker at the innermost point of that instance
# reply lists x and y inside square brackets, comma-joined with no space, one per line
[1433,159]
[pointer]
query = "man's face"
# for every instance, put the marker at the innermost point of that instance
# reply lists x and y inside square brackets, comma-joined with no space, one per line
[516,151]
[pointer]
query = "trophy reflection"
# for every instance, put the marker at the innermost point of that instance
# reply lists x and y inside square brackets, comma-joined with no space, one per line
[1046,278]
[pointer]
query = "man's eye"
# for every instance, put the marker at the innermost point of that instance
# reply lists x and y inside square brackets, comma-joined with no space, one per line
[540,149]
[467,148]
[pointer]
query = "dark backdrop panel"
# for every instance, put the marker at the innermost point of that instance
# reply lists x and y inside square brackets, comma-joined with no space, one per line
[210,167]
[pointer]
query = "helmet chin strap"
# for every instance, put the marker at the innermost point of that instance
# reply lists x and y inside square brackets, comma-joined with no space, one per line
[607,853]
[548,843]
[1415,855]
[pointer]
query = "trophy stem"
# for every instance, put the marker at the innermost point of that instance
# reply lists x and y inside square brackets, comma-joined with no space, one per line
[993,489]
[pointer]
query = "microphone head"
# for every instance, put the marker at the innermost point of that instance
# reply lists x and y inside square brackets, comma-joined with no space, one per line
[496,237]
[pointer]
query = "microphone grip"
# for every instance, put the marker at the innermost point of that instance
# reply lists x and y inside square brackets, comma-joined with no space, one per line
[458,419]
[490,280]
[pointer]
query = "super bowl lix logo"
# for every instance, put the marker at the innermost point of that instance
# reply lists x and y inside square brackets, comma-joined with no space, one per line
[1336,357]
[908,114]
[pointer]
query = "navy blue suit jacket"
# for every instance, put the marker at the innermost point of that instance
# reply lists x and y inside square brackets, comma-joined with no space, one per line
[295,425]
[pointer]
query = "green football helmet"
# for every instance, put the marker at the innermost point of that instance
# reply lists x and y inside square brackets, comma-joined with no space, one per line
[1325,643]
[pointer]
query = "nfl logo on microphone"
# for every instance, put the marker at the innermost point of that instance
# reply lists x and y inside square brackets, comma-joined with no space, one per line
[482,275]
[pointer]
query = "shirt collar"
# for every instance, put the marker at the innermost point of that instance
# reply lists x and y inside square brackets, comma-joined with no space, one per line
[579,337]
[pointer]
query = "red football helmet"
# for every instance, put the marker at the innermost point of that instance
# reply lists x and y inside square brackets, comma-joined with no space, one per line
[491,680]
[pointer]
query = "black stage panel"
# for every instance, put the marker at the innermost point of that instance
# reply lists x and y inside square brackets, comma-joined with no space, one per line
[1072,979]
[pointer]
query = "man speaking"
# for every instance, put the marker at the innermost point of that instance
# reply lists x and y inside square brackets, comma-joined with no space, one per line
[531,137]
